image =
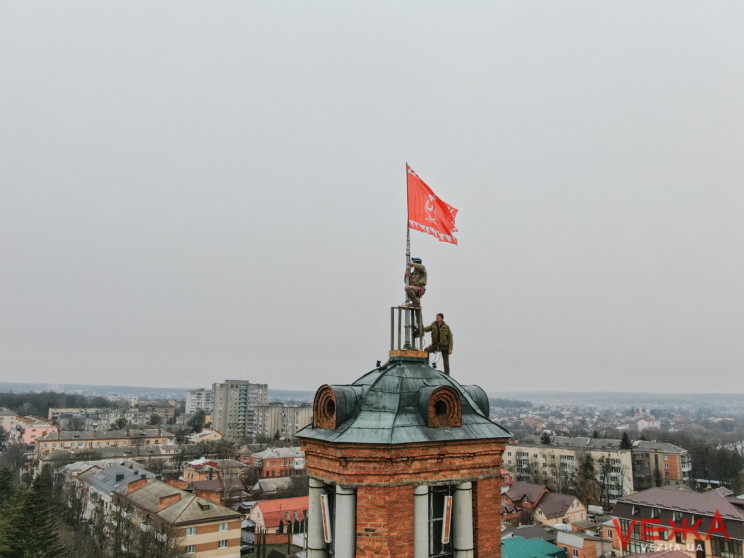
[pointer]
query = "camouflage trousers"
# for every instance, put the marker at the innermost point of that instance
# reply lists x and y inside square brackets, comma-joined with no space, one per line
[412,292]
[445,356]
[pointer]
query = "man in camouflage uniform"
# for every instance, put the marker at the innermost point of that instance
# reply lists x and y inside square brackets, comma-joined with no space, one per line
[441,340]
[415,289]
[416,282]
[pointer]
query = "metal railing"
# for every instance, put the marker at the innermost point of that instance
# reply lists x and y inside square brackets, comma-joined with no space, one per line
[401,329]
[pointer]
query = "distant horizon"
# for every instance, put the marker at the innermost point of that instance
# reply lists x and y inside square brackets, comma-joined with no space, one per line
[520,393]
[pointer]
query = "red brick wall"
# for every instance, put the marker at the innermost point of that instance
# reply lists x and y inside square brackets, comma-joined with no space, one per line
[487,517]
[384,477]
[384,522]
[177,483]
[363,464]
[135,485]
[167,501]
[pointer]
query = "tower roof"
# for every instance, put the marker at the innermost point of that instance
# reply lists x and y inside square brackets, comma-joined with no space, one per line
[404,401]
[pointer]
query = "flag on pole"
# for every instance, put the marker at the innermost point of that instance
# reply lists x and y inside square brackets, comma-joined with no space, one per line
[427,213]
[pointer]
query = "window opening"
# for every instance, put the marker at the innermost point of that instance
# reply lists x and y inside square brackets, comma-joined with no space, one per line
[440,521]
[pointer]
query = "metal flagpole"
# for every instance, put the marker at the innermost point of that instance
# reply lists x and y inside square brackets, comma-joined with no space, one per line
[407,344]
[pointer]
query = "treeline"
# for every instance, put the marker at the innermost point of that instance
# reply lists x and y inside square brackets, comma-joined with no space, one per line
[38,404]
[717,459]
[508,403]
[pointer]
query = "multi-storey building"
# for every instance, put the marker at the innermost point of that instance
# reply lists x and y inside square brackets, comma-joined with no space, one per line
[659,464]
[80,439]
[282,421]
[204,529]
[556,464]
[165,409]
[235,403]
[56,412]
[98,419]
[199,399]
[277,462]
[28,430]
[708,524]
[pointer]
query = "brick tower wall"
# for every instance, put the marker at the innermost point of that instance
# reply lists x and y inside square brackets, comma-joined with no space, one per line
[487,518]
[384,477]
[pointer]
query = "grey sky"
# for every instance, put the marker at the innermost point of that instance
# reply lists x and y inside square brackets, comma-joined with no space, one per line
[197,191]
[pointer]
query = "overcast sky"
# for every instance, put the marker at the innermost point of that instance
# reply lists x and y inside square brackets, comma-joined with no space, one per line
[191,192]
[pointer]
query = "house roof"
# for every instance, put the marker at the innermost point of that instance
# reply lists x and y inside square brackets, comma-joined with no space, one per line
[109,452]
[577,442]
[389,406]
[664,447]
[189,509]
[218,485]
[274,511]
[543,532]
[519,490]
[575,539]
[704,503]
[279,453]
[555,505]
[517,547]
[111,478]
[272,485]
[196,463]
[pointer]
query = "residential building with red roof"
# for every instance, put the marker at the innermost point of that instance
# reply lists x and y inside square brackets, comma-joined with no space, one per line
[269,515]
[714,522]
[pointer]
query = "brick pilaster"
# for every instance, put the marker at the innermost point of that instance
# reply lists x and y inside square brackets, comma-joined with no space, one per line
[487,518]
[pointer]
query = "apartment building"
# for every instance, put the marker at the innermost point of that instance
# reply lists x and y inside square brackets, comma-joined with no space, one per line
[165,409]
[203,528]
[55,412]
[277,462]
[160,457]
[97,419]
[555,464]
[28,430]
[235,403]
[659,464]
[86,439]
[700,524]
[206,529]
[199,399]
[282,421]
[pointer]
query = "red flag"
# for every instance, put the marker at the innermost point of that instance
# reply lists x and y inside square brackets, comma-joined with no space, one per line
[427,213]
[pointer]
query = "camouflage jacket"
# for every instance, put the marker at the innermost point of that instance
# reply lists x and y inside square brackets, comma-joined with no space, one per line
[418,277]
[441,335]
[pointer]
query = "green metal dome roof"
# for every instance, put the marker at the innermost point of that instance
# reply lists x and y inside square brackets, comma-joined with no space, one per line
[393,405]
